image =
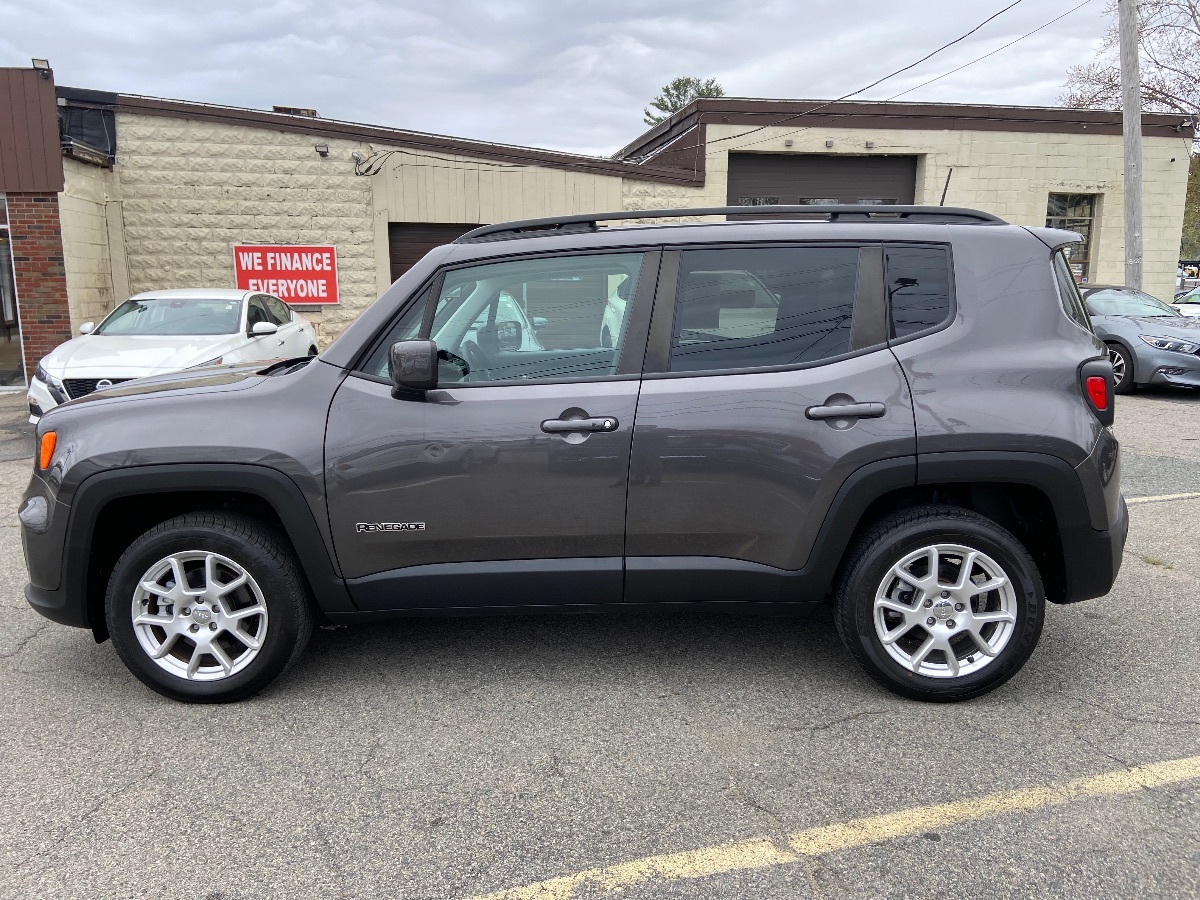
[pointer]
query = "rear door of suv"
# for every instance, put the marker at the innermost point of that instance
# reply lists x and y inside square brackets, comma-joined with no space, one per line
[768,382]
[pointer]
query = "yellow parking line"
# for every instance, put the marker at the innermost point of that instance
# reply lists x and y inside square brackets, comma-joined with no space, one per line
[1192,495]
[762,852]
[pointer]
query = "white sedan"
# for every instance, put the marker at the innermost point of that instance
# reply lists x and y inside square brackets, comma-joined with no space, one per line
[165,331]
[1189,303]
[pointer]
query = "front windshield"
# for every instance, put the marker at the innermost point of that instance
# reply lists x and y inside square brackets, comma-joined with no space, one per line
[1127,303]
[174,316]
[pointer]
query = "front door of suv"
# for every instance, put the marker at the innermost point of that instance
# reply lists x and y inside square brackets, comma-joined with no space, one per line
[768,382]
[482,492]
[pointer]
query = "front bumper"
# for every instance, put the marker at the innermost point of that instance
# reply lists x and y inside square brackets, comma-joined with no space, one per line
[1154,366]
[42,398]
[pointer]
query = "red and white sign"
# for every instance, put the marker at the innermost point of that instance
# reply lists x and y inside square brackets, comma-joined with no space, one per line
[298,273]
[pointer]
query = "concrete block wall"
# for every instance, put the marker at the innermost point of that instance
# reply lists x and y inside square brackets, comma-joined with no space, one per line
[191,190]
[33,226]
[83,207]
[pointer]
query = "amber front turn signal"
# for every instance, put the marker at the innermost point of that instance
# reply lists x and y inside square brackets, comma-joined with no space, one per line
[46,451]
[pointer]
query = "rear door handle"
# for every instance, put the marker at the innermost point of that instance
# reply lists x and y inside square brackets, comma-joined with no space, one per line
[846,411]
[566,426]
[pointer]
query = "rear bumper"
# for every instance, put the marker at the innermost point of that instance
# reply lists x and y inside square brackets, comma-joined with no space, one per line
[1093,557]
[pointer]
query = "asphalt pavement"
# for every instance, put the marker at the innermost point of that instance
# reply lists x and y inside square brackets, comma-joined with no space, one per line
[661,755]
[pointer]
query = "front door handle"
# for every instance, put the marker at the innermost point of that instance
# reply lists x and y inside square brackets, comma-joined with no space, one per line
[846,411]
[566,426]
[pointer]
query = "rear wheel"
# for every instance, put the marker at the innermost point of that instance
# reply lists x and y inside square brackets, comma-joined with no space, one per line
[940,603]
[208,607]
[1122,364]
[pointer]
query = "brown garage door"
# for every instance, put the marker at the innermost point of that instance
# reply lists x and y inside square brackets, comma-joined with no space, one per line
[409,241]
[759,179]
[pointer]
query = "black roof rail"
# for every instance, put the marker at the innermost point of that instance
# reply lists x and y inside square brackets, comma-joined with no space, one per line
[939,215]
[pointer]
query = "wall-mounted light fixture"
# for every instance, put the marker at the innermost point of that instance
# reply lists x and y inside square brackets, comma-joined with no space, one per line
[322,149]
[870,145]
[829,144]
[42,66]
[788,142]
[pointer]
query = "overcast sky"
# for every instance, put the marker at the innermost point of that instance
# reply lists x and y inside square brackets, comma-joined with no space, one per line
[567,75]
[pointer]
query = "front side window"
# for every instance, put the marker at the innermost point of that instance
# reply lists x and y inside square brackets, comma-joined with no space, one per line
[280,312]
[918,286]
[173,316]
[754,307]
[557,318]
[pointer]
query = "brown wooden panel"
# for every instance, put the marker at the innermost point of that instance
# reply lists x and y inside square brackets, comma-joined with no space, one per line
[409,241]
[30,155]
[843,179]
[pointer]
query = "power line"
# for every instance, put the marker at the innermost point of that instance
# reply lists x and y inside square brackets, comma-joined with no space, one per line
[993,53]
[943,75]
[927,56]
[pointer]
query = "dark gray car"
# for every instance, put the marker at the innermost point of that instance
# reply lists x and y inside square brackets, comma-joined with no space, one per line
[1148,341]
[911,422]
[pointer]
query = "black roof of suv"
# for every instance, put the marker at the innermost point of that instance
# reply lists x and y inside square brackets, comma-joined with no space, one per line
[902,410]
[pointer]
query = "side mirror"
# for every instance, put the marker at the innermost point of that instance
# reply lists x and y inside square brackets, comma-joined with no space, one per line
[539,322]
[258,329]
[508,335]
[414,366]
[87,327]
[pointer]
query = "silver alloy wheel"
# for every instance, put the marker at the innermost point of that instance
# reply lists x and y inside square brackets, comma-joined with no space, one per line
[199,615]
[945,611]
[1117,359]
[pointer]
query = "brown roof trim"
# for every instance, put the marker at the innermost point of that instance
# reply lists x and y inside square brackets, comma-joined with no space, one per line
[434,143]
[913,116]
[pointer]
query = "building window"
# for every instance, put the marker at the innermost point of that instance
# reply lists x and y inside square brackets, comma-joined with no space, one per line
[758,201]
[818,201]
[1075,212]
[876,201]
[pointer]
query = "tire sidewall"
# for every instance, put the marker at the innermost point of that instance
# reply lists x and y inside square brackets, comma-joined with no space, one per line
[282,623]
[1017,565]
[1127,384]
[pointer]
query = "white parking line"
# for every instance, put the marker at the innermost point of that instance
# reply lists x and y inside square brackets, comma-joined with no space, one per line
[762,852]
[1163,497]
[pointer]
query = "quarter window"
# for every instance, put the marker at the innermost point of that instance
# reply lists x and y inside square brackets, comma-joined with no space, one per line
[1068,293]
[918,286]
[747,308]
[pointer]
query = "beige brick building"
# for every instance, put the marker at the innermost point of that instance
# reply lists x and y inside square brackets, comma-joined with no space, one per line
[182,183]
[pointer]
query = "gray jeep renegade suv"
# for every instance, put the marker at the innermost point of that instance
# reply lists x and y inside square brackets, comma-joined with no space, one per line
[904,410]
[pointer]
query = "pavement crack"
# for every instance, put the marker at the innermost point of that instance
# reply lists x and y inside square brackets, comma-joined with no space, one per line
[1129,720]
[842,720]
[25,640]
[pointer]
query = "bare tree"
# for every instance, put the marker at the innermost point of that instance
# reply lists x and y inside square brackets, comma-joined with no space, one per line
[678,94]
[1169,39]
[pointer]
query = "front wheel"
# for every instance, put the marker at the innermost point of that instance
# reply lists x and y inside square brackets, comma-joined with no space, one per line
[940,603]
[1122,364]
[208,607]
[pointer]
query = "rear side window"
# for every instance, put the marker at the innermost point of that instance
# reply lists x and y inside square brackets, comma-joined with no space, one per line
[1068,293]
[918,286]
[753,307]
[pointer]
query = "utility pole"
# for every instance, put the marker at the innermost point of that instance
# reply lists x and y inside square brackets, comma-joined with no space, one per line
[1131,124]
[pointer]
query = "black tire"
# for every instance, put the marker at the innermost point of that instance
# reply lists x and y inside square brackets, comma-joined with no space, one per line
[890,541]
[1127,384]
[272,568]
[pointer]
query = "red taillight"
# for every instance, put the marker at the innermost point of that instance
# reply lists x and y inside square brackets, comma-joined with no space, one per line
[1097,391]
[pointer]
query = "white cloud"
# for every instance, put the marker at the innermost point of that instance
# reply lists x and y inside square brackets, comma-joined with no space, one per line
[569,75]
